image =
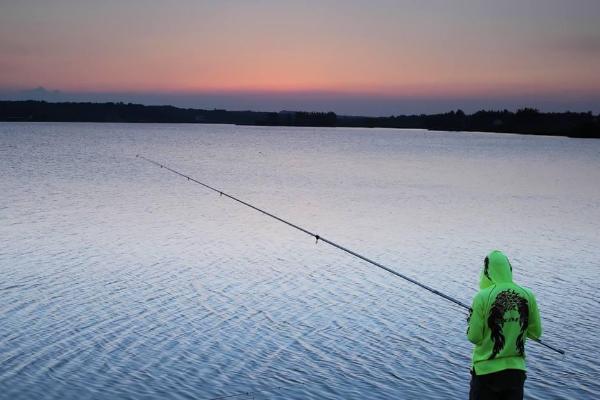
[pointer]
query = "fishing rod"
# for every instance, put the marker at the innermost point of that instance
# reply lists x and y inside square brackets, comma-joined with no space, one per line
[331,243]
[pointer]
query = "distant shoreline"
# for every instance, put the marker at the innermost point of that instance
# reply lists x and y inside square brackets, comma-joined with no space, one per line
[525,121]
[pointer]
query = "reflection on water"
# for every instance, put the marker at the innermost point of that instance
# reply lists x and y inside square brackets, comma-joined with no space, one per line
[119,280]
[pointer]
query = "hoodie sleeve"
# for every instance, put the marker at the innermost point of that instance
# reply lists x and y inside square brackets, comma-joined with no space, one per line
[534,330]
[476,321]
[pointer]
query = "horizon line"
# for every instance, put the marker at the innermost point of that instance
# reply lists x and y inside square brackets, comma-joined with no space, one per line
[450,111]
[343,103]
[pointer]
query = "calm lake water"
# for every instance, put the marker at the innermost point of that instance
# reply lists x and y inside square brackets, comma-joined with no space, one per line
[119,280]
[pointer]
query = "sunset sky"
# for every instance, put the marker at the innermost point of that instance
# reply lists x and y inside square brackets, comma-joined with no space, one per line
[380,57]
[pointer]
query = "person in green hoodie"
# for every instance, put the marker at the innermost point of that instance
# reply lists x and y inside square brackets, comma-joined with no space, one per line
[502,317]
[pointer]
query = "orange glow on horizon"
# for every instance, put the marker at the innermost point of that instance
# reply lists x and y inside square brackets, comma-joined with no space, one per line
[418,50]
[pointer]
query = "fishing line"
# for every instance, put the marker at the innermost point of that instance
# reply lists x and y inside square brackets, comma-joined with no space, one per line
[252,393]
[331,243]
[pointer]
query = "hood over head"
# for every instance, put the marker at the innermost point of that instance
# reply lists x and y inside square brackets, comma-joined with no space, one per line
[496,269]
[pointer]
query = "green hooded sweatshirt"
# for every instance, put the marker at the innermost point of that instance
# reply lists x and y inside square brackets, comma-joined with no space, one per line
[503,315]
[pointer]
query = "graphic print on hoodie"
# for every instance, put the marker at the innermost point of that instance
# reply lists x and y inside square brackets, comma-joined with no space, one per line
[502,316]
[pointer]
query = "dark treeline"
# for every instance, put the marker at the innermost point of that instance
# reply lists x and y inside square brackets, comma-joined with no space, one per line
[524,121]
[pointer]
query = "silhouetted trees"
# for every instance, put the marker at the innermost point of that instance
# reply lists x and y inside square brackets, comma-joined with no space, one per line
[302,118]
[525,120]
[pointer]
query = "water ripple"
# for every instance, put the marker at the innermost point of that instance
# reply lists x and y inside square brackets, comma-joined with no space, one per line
[120,281]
